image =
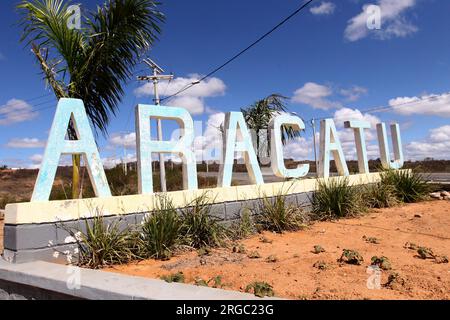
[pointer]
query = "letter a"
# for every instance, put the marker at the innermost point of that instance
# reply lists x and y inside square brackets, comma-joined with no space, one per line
[57,145]
[233,121]
[329,142]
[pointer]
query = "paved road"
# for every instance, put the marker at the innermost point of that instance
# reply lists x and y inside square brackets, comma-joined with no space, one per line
[242,177]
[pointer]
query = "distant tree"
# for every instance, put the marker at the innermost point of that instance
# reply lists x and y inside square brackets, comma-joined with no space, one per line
[92,63]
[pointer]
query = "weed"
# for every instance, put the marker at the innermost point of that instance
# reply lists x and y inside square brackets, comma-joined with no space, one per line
[161,231]
[239,249]
[351,257]
[336,199]
[104,244]
[260,289]
[425,253]
[371,240]
[199,228]
[204,251]
[174,277]
[200,282]
[411,246]
[263,239]
[321,265]
[254,255]
[274,214]
[409,185]
[380,195]
[318,249]
[382,262]
[272,258]
[216,282]
[395,281]
[244,228]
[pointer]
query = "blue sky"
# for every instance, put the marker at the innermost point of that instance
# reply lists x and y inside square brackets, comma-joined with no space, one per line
[325,59]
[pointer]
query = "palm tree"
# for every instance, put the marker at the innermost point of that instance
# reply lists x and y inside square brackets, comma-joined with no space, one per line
[93,63]
[258,116]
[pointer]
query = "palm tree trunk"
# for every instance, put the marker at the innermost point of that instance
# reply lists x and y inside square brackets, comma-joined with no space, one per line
[76,162]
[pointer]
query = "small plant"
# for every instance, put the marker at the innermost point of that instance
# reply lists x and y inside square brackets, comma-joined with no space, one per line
[200,282]
[425,253]
[244,228]
[104,244]
[321,265]
[174,277]
[382,262]
[263,239]
[199,228]
[318,249]
[380,195]
[371,240]
[409,185]
[161,230]
[239,249]
[274,214]
[395,281]
[260,289]
[441,259]
[411,246]
[216,282]
[336,199]
[351,257]
[272,258]
[254,255]
[204,251]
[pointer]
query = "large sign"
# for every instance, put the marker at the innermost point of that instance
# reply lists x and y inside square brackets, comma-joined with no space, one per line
[237,138]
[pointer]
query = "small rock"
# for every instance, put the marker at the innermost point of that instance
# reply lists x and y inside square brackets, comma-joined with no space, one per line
[445,194]
[435,195]
[417,216]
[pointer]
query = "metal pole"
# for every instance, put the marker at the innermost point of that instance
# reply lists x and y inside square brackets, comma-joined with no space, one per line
[313,123]
[162,168]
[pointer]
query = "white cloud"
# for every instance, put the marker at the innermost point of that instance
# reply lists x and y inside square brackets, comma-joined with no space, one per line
[324,8]
[316,96]
[393,23]
[15,111]
[127,140]
[433,105]
[193,99]
[354,93]
[113,161]
[436,145]
[208,146]
[26,143]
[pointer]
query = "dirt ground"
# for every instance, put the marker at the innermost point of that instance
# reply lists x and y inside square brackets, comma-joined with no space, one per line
[293,276]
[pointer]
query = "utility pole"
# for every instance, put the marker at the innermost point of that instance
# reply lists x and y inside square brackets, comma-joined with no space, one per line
[155,78]
[313,124]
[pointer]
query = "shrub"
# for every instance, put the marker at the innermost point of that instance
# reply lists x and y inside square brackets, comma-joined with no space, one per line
[274,214]
[380,195]
[409,185]
[105,244]
[199,228]
[174,277]
[336,199]
[161,230]
[351,257]
[260,289]
[244,227]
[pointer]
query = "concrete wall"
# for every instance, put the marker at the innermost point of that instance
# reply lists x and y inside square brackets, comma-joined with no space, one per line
[39,230]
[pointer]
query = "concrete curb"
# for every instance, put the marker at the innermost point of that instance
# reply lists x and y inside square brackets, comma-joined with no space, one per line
[101,285]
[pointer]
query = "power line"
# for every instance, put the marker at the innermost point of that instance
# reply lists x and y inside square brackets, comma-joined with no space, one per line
[394,106]
[241,52]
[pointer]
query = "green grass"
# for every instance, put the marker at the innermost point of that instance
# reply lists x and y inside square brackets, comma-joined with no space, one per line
[199,228]
[274,214]
[380,195]
[409,185]
[105,244]
[161,230]
[336,199]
